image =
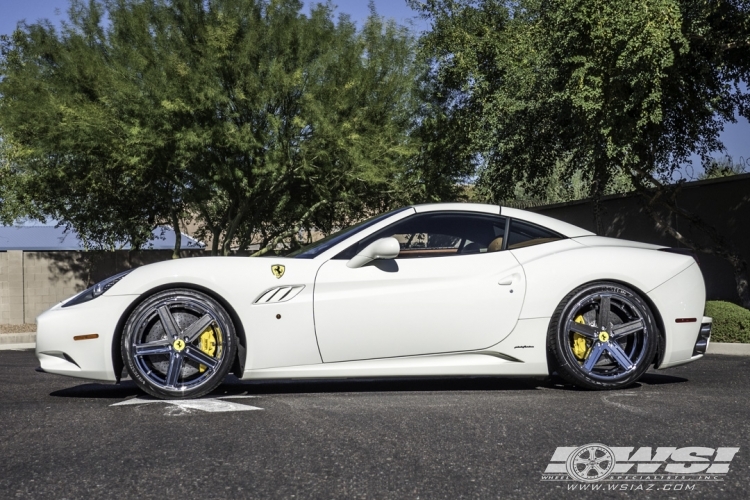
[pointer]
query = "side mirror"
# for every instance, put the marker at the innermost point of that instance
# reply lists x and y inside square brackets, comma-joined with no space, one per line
[384,248]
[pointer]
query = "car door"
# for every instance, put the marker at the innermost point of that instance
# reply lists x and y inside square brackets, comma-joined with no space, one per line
[451,288]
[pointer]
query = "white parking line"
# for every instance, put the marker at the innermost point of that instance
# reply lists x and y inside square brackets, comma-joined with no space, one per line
[211,405]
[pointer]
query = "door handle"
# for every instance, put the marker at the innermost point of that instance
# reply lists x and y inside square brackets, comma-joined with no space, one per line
[508,280]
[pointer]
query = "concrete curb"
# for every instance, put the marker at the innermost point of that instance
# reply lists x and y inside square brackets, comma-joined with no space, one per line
[728,349]
[17,347]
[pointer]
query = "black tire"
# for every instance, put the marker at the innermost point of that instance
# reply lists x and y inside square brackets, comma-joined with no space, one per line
[178,344]
[589,356]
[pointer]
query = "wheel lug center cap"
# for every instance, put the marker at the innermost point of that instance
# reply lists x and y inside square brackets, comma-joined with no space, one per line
[178,345]
[603,336]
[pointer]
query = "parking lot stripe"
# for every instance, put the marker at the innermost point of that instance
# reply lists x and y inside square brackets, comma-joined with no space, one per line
[210,405]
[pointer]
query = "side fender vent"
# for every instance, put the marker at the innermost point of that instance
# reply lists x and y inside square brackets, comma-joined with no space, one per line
[279,294]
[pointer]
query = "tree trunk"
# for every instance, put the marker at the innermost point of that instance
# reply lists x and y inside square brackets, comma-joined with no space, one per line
[295,229]
[232,229]
[739,266]
[215,234]
[177,236]
[598,227]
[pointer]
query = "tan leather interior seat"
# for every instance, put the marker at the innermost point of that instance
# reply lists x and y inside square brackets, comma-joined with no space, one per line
[495,245]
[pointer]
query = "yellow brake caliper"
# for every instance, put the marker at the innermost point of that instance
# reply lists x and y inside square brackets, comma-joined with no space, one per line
[208,345]
[581,349]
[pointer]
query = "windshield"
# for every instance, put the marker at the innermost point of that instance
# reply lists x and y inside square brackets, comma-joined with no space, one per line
[314,249]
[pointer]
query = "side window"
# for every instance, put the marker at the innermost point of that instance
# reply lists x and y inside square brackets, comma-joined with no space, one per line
[440,234]
[523,234]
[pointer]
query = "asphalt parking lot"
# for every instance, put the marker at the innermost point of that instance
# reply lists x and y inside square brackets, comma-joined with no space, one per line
[435,438]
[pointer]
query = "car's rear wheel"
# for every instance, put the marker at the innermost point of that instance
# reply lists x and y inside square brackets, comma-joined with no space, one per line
[178,344]
[602,336]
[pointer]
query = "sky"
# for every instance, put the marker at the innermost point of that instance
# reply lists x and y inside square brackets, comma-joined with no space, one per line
[12,11]
[736,137]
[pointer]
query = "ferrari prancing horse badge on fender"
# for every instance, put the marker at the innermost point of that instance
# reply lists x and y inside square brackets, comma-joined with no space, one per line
[278,270]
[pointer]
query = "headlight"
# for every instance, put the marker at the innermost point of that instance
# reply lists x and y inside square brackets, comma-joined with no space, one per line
[96,290]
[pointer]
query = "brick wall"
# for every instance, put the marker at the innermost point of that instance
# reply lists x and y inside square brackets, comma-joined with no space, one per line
[50,277]
[4,290]
[32,282]
[11,288]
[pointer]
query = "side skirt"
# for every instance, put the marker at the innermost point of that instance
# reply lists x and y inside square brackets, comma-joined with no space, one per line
[522,353]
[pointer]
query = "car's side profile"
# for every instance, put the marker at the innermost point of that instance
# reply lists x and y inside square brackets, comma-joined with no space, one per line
[440,289]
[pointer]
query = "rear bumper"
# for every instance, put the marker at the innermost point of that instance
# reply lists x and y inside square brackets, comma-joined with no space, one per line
[704,337]
[681,302]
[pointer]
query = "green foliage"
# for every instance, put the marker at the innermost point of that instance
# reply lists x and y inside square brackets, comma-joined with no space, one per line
[240,114]
[724,167]
[614,88]
[57,122]
[731,323]
[561,185]
[619,92]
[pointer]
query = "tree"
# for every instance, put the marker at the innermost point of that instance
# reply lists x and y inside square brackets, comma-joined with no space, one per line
[55,126]
[723,167]
[240,114]
[613,87]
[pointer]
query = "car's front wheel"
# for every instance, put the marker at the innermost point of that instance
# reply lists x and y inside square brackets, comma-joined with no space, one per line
[602,336]
[178,344]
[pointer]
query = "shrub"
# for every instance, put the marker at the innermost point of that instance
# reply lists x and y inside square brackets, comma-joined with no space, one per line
[731,322]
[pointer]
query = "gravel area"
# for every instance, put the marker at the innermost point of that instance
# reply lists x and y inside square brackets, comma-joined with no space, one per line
[27,327]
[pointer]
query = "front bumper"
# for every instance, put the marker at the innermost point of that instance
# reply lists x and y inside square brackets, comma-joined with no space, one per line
[59,353]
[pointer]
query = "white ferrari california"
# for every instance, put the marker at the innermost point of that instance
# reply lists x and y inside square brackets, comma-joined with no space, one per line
[430,290]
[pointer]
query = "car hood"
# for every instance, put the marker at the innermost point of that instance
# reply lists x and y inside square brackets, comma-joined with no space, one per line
[236,276]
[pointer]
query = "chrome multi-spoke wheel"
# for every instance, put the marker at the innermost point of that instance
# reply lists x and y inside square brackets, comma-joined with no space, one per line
[602,336]
[178,344]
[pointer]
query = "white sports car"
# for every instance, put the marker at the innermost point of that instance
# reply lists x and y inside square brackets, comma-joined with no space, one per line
[440,289]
